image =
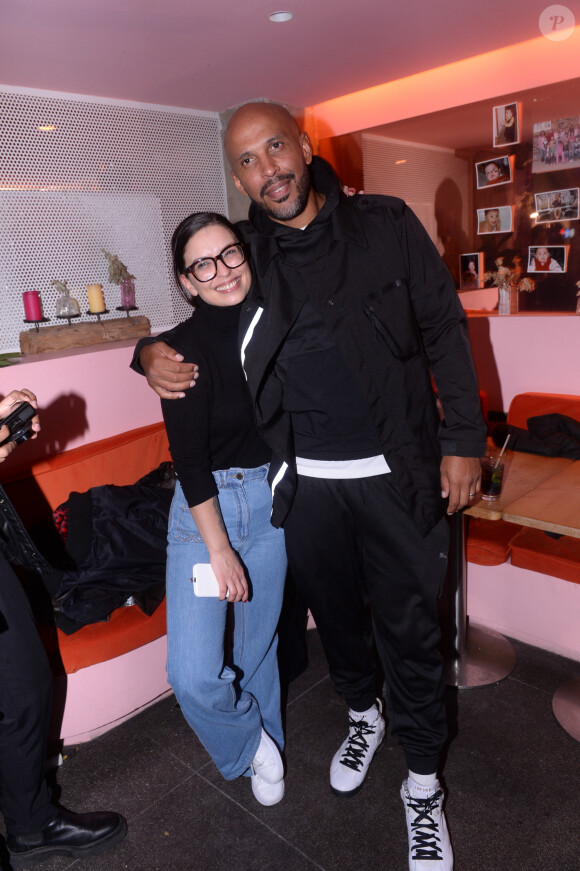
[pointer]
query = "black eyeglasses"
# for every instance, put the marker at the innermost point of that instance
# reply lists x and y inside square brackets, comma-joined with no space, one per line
[205,268]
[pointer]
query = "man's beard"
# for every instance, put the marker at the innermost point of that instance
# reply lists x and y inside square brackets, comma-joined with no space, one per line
[286,211]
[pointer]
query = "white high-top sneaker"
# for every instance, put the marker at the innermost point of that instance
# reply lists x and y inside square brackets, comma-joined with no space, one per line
[351,761]
[429,844]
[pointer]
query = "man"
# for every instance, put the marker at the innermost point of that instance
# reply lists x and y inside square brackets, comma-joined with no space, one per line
[350,298]
[37,830]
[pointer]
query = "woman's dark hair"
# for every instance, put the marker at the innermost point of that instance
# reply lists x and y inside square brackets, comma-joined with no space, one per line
[183,233]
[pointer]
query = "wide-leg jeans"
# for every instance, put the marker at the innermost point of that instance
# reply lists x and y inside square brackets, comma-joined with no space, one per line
[222,661]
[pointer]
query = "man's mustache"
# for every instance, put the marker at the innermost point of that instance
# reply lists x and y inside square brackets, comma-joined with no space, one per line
[274,181]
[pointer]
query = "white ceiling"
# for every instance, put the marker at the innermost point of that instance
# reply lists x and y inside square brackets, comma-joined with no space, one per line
[214,54]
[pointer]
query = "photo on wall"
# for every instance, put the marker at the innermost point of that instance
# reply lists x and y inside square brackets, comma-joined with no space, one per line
[556,144]
[506,125]
[547,258]
[497,219]
[556,206]
[471,271]
[493,172]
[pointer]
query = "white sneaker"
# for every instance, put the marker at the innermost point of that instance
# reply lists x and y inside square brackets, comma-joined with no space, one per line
[350,763]
[429,844]
[267,772]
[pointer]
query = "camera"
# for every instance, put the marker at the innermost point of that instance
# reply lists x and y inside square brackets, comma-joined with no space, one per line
[19,422]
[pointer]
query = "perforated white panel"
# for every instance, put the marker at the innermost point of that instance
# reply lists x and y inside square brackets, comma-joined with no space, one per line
[107,175]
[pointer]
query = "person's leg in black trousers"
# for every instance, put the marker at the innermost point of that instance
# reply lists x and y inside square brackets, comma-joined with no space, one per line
[25,704]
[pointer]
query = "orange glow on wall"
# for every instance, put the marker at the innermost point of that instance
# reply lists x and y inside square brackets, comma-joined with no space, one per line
[505,70]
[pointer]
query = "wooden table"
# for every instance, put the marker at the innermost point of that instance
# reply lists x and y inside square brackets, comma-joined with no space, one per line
[480,655]
[554,506]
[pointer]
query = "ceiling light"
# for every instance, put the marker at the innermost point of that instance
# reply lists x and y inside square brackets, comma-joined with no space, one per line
[279,17]
[399,162]
[534,214]
[46,127]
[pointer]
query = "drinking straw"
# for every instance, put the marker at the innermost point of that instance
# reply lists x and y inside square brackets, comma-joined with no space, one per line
[507,438]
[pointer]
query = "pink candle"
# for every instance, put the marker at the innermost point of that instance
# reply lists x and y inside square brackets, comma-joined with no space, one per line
[32,306]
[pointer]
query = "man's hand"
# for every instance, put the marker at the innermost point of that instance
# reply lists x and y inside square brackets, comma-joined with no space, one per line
[15,397]
[460,480]
[166,372]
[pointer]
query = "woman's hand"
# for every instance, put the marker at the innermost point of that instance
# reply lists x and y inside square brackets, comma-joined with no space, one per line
[224,561]
[7,405]
[230,575]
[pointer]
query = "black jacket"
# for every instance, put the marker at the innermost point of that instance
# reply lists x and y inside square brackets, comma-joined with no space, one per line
[377,281]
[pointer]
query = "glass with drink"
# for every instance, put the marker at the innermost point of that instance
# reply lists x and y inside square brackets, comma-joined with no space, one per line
[492,466]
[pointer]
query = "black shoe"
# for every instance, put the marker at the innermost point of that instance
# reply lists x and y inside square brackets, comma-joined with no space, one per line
[69,834]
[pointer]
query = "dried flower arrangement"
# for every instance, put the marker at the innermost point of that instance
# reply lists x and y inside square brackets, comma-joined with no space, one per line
[506,278]
[118,272]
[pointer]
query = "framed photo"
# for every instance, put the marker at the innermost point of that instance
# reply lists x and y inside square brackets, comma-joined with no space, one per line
[547,258]
[557,206]
[506,125]
[556,144]
[471,271]
[497,219]
[493,172]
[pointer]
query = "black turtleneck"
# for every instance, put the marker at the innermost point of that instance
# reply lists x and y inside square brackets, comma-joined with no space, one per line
[212,427]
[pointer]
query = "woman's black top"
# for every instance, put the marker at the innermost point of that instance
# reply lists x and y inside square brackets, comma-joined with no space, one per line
[213,426]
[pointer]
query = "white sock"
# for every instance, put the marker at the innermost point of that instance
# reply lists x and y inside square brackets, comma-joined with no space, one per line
[421,785]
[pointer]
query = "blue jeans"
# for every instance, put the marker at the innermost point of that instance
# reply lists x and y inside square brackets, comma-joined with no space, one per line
[221,660]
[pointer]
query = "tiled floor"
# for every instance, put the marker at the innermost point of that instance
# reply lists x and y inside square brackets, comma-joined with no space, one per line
[513,776]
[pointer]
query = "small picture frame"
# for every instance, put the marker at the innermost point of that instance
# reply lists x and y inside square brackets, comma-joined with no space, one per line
[471,271]
[496,219]
[547,258]
[506,125]
[557,205]
[496,171]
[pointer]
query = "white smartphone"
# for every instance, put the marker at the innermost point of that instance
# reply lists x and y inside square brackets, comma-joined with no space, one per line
[204,580]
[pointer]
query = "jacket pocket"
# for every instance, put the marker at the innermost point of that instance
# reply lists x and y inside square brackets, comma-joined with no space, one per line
[392,319]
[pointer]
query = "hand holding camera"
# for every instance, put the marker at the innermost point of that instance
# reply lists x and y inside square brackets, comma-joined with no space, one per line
[18,420]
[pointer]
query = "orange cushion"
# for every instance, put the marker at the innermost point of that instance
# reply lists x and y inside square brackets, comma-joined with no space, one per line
[121,459]
[126,629]
[560,557]
[488,541]
[525,405]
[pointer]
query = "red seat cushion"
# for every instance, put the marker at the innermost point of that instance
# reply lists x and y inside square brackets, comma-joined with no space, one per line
[525,405]
[560,557]
[488,541]
[126,629]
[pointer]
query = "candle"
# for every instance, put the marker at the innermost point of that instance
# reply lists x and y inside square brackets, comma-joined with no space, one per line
[32,307]
[96,298]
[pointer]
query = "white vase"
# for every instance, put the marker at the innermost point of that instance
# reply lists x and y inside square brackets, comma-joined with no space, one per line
[508,300]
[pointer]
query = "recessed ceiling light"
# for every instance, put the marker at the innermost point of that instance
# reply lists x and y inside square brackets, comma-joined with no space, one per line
[46,127]
[279,17]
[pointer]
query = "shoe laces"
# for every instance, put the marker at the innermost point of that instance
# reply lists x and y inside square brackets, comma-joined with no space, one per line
[425,828]
[357,746]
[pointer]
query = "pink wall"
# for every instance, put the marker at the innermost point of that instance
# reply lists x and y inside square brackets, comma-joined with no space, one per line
[525,352]
[84,395]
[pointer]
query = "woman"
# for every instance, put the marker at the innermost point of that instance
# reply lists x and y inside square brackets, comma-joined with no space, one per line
[220,514]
